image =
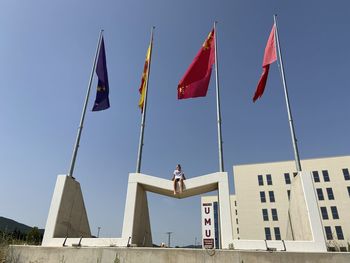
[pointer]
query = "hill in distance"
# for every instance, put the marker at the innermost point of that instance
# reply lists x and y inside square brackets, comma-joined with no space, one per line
[8,225]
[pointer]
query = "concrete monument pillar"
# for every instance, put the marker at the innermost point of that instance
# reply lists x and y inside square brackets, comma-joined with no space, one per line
[67,215]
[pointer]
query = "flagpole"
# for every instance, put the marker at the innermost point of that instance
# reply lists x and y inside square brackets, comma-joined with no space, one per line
[218,111]
[143,117]
[77,141]
[291,125]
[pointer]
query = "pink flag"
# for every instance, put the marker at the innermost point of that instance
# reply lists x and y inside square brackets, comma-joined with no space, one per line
[270,56]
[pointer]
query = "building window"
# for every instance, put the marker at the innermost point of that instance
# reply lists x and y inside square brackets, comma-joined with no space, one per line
[277,233]
[269,179]
[346,174]
[325,175]
[260,180]
[324,213]
[334,212]
[349,190]
[343,249]
[236,212]
[272,196]
[339,232]
[330,194]
[265,215]
[274,214]
[287,178]
[316,176]
[320,194]
[237,230]
[288,194]
[262,197]
[295,174]
[267,233]
[235,203]
[328,231]
[237,221]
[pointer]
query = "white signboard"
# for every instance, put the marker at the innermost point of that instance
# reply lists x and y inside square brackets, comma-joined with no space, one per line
[208,229]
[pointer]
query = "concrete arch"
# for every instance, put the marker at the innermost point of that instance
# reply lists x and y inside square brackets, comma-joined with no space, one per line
[136,225]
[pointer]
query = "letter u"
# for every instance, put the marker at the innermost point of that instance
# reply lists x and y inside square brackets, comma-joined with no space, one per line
[207,232]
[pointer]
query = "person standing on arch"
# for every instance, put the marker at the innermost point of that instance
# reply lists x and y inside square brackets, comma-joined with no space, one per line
[178,175]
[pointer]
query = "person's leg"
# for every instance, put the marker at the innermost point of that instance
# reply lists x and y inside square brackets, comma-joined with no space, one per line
[175,181]
[181,185]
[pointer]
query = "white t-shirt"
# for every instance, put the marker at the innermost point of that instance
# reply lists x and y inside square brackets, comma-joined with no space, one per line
[178,174]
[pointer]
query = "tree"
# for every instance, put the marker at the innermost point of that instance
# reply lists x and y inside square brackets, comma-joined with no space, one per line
[34,236]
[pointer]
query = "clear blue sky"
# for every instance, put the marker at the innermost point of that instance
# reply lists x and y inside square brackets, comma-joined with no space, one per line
[46,52]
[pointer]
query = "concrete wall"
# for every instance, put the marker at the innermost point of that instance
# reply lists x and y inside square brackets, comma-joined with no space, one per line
[25,254]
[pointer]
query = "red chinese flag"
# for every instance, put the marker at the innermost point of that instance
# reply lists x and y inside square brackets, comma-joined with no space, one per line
[196,80]
[270,56]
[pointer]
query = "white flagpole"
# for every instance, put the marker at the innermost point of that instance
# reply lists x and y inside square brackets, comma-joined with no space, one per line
[77,141]
[143,118]
[218,111]
[291,125]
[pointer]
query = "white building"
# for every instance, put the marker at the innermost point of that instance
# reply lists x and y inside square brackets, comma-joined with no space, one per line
[259,208]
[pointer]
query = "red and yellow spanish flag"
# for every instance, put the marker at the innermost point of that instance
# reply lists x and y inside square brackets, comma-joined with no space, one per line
[142,88]
[196,80]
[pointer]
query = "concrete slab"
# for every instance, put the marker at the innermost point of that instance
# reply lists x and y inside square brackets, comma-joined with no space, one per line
[193,186]
[25,254]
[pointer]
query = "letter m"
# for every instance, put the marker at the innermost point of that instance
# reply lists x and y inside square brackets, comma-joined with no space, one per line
[207,221]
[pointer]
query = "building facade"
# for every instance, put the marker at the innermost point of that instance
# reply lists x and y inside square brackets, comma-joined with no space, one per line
[262,193]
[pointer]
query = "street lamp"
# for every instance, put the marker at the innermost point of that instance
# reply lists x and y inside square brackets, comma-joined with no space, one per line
[98,231]
[169,234]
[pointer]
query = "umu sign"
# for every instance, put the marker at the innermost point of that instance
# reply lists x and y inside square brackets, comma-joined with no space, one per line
[208,226]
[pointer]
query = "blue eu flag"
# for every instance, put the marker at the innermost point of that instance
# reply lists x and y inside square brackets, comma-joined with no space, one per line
[102,100]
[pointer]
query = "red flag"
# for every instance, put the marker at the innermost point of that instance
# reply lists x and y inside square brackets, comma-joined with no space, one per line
[270,56]
[195,82]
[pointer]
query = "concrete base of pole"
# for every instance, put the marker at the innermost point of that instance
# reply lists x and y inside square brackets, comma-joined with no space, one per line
[67,215]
